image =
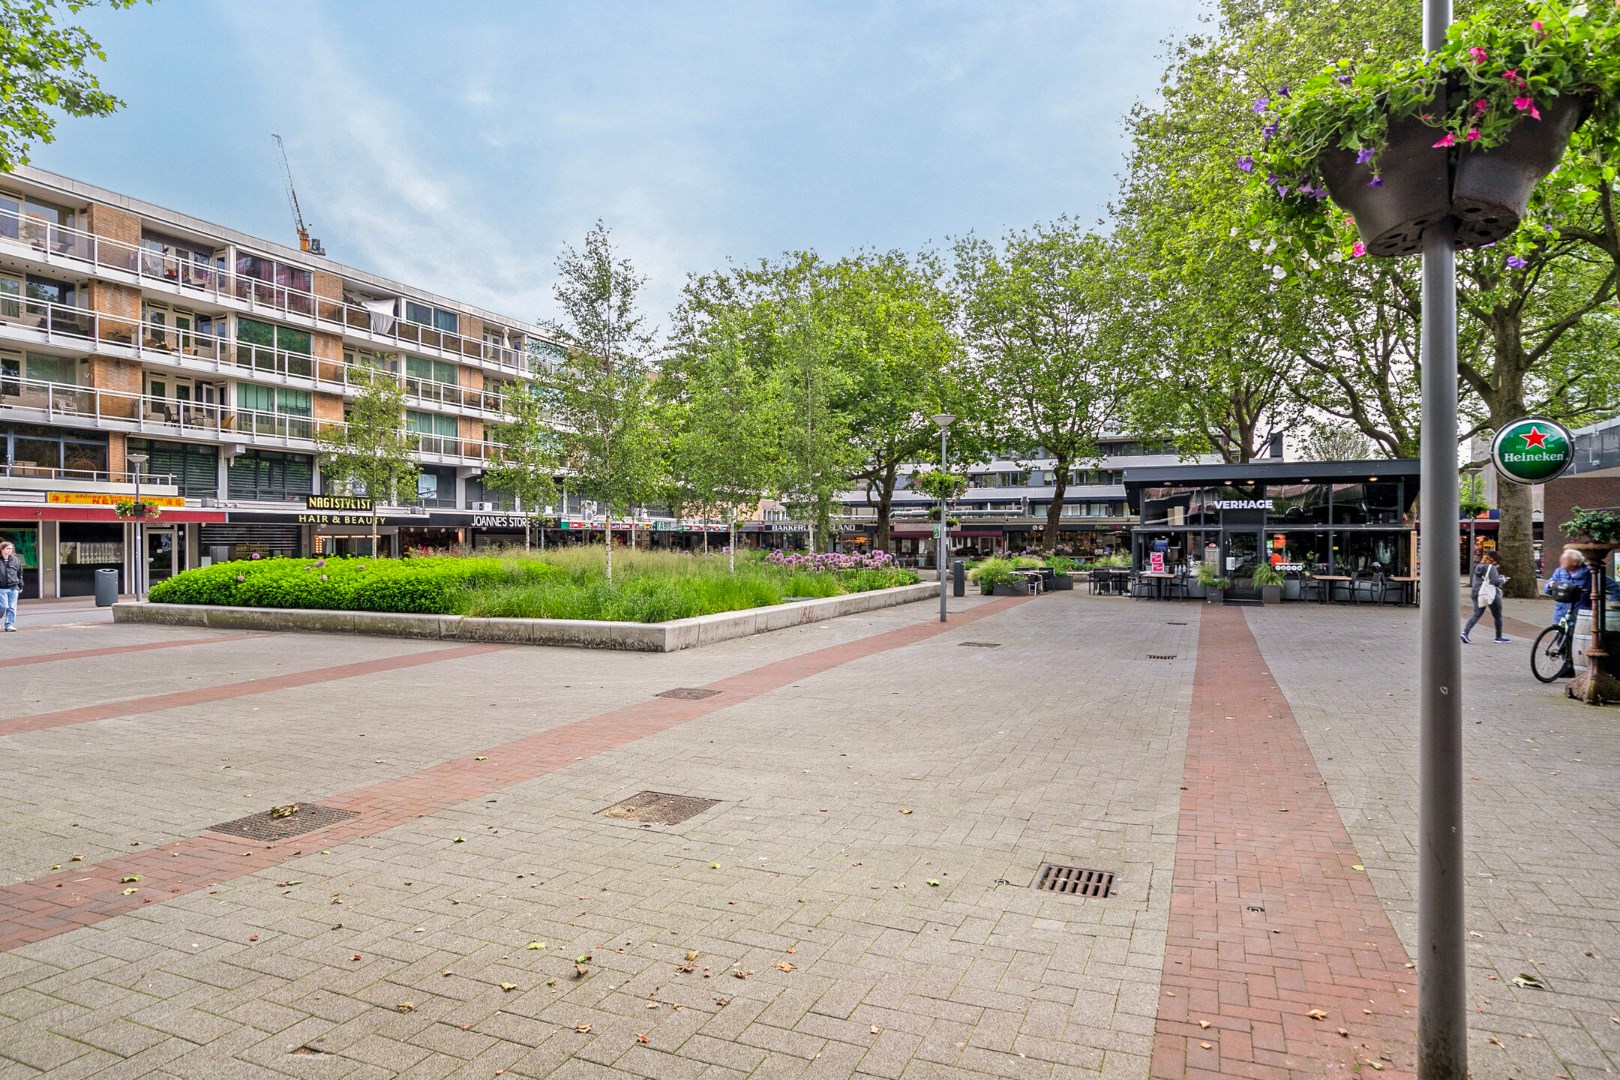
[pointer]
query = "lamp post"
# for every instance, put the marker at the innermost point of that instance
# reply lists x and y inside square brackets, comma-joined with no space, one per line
[944,420]
[138,563]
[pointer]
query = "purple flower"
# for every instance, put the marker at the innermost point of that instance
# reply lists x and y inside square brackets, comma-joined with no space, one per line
[1282,189]
[1516,262]
[1364,155]
[1260,104]
[1246,163]
[1377,181]
[1282,91]
[1345,80]
[1268,131]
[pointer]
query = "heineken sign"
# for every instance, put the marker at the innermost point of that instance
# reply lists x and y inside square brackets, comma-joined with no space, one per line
[1532,450]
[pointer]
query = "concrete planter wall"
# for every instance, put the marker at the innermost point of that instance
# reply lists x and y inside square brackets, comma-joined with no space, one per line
[577,633]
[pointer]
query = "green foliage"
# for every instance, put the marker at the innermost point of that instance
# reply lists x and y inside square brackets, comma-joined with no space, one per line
[1266,574]
[1061,564]
[993,572]
[939,485]
[44,71]
[528,452]
[566,584]
[1208,577]
[372,453]
[1596,526]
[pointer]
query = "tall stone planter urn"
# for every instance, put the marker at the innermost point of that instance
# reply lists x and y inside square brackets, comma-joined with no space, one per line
[1599,683]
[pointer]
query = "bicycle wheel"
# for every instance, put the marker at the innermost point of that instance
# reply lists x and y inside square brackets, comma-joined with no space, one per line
[1549,654]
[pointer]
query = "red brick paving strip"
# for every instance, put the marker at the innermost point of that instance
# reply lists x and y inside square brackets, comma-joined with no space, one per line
[114,650]
[1259,830]
[45,907]
[203,695]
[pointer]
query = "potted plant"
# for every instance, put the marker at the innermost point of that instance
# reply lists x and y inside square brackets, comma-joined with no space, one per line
[132,508]
[1595,534]
[995,577]
[1270,582]
[1464,133]
[1214,585]
[1062,573]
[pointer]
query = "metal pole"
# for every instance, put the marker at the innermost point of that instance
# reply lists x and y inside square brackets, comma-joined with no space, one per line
[942,526]
[1441,958]
[140,548]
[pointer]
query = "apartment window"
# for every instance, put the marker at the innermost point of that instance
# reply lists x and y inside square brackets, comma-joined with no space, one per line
[178,330]
[281,400]
[438,371]
[183,261]
[427,315]
[51,291]
[28,447]
[294,278]
[195,467]
[427,423]
[270,347]
[377,361]
[62,370]
[29,219]
[270,474]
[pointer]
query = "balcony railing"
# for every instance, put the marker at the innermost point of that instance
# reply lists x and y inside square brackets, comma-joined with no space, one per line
[199,419]
[27,470]
[303,307]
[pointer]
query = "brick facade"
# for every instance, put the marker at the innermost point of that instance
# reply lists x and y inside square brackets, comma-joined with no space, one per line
[114,224]
[1599,491]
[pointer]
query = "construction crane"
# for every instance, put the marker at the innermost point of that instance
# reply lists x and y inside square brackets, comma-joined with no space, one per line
[305,243]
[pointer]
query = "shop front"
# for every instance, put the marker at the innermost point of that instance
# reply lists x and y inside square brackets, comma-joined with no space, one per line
[65,540]
[1325,519]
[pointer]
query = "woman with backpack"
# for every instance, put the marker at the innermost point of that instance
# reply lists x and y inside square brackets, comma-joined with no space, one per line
[1486,589]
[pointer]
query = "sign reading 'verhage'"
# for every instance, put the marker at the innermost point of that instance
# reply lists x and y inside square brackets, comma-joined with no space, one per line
[1533,450]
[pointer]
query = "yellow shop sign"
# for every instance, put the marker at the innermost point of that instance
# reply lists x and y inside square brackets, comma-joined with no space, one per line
[97,498]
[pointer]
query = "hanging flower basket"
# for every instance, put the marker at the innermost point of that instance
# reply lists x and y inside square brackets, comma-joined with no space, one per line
[1464,134]
[130,508]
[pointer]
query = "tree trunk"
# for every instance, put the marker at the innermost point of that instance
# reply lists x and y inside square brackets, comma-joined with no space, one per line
[373,531]
[1513,539]
[885,507]
[607,531]
[1054,512]
[732,551]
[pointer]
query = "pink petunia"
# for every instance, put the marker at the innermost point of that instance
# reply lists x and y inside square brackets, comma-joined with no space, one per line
[1358,249]
[1472,136]
[1448,139]
[1478,54]
[1481,106]
[1537,27]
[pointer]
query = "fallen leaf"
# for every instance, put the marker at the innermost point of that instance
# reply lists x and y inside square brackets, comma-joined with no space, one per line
[583,1029]
[580,971]
[253,937]
[508,987]
[481,757]
[642,1038]
[1475,933]
[739,973]
[1205,1045]
[783,965]
[289,884]
[875,1029]
[905,811]
[1203,1023]
[722,1002]
[1344,1033]
[459,840]
[77,858]
[933,883]
[692,954]
[535,945]
[583,959]
[406,1006]
[714,866]
[1358,866]
[1523,979]
[1494,1041]
[356,956]
[1317,1014]
[130,879]
[128,891]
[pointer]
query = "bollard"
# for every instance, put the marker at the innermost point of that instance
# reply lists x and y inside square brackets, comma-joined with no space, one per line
[958,577]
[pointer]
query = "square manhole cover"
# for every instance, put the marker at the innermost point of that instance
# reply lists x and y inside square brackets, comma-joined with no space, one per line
[279,825]
[1074,881]
[981,644]
[688,693]
[658,808]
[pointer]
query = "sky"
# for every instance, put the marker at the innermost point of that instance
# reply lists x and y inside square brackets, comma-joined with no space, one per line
[459,147]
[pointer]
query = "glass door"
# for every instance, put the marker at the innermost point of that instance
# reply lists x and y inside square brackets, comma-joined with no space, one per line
[162,553]
[1241,556]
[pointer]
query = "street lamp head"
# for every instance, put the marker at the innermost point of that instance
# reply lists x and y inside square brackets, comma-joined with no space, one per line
[139,459]
[944,420]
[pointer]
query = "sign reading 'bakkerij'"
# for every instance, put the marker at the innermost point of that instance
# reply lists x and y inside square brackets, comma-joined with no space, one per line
[1532,450]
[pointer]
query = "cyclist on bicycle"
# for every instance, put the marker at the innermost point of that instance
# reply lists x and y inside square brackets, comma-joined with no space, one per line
[1571,588]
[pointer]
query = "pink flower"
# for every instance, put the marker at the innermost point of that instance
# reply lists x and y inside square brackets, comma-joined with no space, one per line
[1481,106]
[1478,54]
[1358,249]
[1448,139]
[1472,136]
[1536,26]
[1524,104]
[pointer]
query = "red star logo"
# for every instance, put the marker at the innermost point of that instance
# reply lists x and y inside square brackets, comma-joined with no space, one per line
[1536,437]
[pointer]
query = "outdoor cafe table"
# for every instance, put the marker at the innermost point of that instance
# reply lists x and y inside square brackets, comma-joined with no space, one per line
[1158,580]
[1331,579]
[1032,577]
[1409,587]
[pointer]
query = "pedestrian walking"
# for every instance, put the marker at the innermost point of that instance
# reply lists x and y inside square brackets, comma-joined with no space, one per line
[11,580]
[1486,589]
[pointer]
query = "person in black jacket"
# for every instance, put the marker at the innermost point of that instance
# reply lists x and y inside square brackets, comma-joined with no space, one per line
[11,580]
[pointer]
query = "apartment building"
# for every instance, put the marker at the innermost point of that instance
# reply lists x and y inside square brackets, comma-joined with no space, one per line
[127,329]
[1005,505]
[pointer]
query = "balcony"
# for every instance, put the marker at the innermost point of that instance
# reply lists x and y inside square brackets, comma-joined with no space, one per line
[377,324]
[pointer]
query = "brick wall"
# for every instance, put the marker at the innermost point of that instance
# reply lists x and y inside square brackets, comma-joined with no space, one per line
[328,351]
[121,301]
[327,408]
[1562,496]
[471,378]
[472,431]
[123,376]
[114,224]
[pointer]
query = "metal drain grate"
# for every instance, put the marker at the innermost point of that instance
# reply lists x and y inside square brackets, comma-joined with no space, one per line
[1161,656]
[688,693]
[1074,881]
[980,644]
[658,808]
[265,826]
[1175,624]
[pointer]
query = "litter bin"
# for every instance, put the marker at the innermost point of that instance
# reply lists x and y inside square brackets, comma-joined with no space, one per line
[106,588]
[958,578]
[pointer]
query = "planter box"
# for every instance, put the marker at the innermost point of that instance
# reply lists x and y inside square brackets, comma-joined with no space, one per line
[1290,589]
[1196,590]
[1271,594]
[1061,583]
[1009,590]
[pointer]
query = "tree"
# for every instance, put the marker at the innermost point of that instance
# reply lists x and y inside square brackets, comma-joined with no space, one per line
[44,72]
[602,387]
[1329,441]
[371,454]
[528,454]
[1046,369]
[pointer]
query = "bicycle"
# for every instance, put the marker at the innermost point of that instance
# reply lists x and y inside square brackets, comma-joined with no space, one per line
[1552,656]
